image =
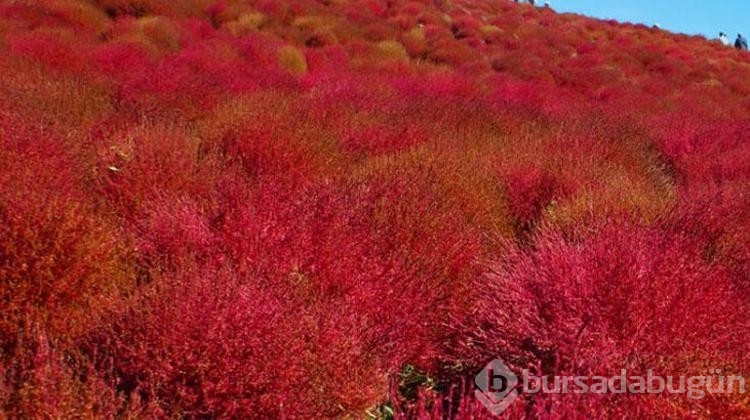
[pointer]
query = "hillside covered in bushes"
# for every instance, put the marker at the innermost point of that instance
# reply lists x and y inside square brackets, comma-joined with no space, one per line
[346,208]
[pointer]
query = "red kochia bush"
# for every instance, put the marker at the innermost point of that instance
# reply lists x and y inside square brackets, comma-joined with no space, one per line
[58,257]
[204,342]
[634,287]
[377,140]
[143,163]
[528,192]
[61,267]
[50,51]
[618,296]
[312,297]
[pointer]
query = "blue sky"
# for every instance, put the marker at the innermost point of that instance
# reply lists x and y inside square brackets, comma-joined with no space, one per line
[694,17]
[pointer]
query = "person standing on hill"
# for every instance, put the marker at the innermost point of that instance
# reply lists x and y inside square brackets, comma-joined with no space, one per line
[740,43]
[724,39]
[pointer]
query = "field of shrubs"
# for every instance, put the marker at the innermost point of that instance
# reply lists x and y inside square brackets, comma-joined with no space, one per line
[346,208]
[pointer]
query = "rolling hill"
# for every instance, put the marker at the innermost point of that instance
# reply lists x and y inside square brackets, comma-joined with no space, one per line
[347,208]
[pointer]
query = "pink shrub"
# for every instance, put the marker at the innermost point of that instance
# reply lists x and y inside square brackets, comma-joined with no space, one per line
[328,294]
[620,296]
[529,191]
[58,257]
[111,58]
[41,379]
[48,50]
[372,141]
[63,265]
[174,228]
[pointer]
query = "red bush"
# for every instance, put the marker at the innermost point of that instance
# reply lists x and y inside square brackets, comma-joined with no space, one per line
[620,296]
